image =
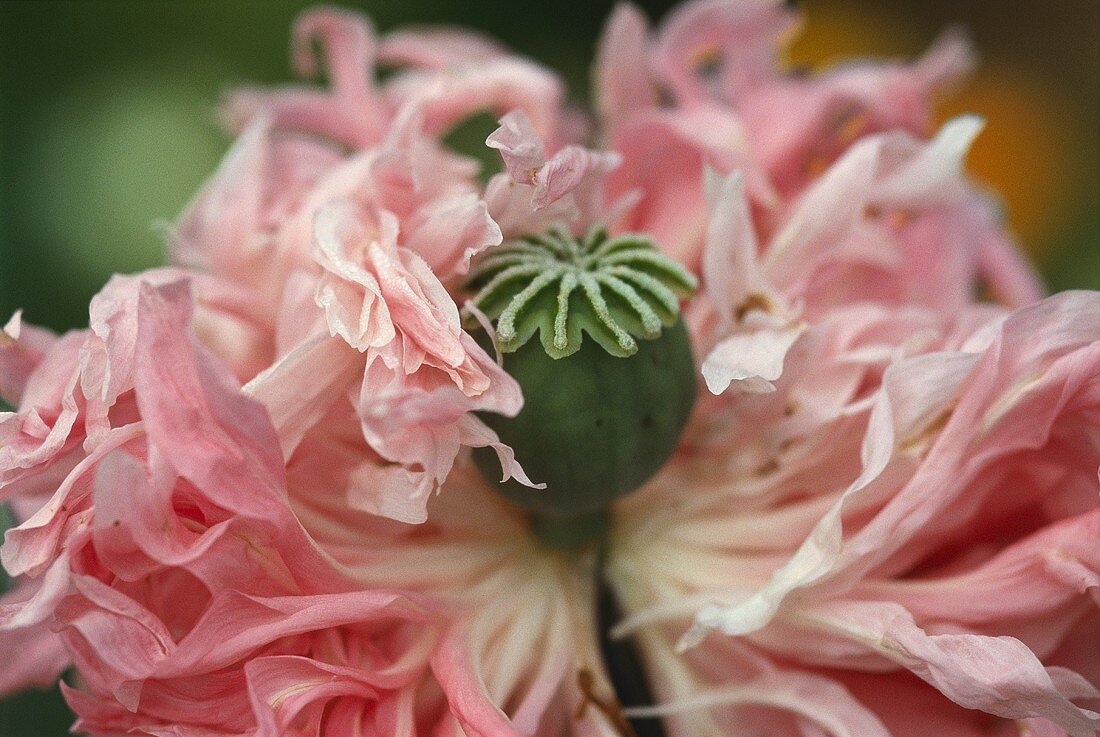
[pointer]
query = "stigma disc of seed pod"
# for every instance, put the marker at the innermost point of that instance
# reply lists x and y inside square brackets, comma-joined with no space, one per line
[610,382]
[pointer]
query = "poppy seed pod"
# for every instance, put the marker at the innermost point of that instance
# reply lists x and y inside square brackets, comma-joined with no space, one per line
[600,416]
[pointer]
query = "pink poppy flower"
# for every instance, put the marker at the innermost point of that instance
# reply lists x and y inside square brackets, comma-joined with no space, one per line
[253,497]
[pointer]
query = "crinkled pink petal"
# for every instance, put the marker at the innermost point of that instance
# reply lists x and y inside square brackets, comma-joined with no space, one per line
[350,292]
[230,227]
[462,222]
[174,384]
[976,393]
[520,147]
[291,692]
[1035,576]
[41,440]
[425,429]
[35,543]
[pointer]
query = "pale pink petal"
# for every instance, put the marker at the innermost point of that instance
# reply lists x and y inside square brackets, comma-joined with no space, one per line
[349,293]
[35,657]
[230,227]
[824,214]
[933,175]
[462,222]
[915,394]
[1011,279]
[519,145]
[234,624]
[947,61]
[30,547]
[1035,577]
[751,361]
[175,384]
[453,666]
[292,691]
[446,97]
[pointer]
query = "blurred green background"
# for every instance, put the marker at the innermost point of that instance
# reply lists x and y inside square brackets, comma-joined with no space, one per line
[107,127]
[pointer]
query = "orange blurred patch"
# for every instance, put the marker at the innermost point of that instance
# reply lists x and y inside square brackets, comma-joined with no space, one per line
[1029,152]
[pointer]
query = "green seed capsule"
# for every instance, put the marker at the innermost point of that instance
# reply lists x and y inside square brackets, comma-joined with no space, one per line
[610,383]
[594,427]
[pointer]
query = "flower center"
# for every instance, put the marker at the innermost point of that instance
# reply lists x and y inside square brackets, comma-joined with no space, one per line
[600,416]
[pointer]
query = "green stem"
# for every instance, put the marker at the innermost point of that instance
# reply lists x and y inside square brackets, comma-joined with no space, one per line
[571,532]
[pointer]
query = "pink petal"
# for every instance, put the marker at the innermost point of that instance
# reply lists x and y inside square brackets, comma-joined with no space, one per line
[622,79]
[22,348]
[730,269]
[299,388]
[998,675]
[742,36]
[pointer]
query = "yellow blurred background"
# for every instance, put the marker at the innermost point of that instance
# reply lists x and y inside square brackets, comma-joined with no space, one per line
[1036,85]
